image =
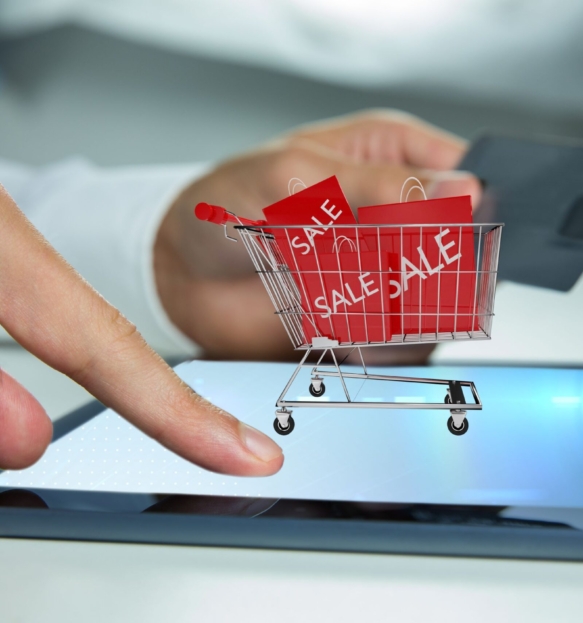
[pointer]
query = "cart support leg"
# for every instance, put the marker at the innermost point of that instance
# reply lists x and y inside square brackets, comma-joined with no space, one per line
[293,378]
[362,360]
[340,375]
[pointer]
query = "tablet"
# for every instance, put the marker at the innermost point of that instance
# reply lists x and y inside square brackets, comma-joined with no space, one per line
[368,480]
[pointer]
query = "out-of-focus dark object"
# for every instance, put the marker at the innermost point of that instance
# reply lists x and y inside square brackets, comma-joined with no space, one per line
[536,189]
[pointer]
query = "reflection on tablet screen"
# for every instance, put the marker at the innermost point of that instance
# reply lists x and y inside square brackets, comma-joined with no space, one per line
[523,449]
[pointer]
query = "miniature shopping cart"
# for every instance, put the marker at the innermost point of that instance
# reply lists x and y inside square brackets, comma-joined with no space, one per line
[285,279]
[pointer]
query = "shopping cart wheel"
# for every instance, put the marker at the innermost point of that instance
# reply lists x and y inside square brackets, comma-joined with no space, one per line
[280,430]
[462,430]
[317,393]
[447,399]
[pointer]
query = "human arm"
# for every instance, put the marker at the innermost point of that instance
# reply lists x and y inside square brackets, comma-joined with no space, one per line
[208,285]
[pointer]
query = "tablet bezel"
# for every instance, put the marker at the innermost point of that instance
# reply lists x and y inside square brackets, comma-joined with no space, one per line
[296,534]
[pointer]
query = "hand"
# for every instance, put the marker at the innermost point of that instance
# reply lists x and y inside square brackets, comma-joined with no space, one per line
[207,283]
[58,317]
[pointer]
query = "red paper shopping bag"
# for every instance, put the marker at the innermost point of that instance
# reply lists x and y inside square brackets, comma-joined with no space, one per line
[434,269]
[348,296]
[315,209]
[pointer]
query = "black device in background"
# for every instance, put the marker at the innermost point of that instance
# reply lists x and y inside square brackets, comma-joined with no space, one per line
[536,189]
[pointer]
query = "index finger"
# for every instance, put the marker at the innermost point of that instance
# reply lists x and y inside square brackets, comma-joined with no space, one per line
[388,136]
[57,316]
[427,146]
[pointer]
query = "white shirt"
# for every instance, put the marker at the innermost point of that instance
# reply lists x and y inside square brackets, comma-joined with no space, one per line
[104,222]
[498,50]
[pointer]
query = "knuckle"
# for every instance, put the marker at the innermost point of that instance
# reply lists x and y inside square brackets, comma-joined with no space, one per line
[391,116]
[119,339]
[396,183]
[122,330]
[389,188]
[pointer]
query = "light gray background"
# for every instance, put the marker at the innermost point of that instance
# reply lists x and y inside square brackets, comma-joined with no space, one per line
[73,91]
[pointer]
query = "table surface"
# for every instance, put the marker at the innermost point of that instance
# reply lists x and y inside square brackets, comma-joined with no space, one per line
[71,582]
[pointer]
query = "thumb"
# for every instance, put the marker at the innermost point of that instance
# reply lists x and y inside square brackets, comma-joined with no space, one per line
[454,184]
[366,184]
[25,428]
[374,183]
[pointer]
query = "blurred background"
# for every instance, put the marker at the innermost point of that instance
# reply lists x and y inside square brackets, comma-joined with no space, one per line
[157,81]
[135,81]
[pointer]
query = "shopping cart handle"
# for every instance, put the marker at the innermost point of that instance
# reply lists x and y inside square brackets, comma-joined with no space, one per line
[220,216]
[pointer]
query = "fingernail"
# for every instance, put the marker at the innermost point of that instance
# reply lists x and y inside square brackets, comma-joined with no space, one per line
[455,184]
[259,444]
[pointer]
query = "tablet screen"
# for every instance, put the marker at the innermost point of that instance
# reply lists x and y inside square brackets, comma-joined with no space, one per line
[523,449]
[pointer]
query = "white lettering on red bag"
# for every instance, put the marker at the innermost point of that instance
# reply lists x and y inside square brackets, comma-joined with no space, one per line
[298,244]
[443,248]
[311,233]
[406,263]
[339,299]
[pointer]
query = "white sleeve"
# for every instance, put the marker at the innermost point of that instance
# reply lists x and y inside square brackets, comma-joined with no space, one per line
[104,222]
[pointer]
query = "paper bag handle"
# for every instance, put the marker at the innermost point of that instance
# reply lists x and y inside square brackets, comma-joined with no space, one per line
[293,184]
[417,186]
[343,239]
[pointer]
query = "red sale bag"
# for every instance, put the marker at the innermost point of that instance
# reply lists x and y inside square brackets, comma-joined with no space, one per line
[348,294]
[316,208]
[433,264]
[308,243]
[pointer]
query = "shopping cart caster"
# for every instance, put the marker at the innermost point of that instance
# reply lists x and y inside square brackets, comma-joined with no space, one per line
[317,387]
[455,426]
[447,399]
[284,422]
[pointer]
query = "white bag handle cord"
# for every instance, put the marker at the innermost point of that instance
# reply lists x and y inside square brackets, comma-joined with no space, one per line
[417,186]
[343,239]
[291,188]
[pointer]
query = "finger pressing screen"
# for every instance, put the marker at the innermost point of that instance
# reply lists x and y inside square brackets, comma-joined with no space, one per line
[53,313]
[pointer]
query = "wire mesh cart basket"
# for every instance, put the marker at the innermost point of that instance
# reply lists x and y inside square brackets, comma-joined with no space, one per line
[314,325]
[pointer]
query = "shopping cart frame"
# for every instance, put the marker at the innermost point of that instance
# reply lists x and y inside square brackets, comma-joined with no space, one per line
[262,247]
[283,289]
[454,391]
